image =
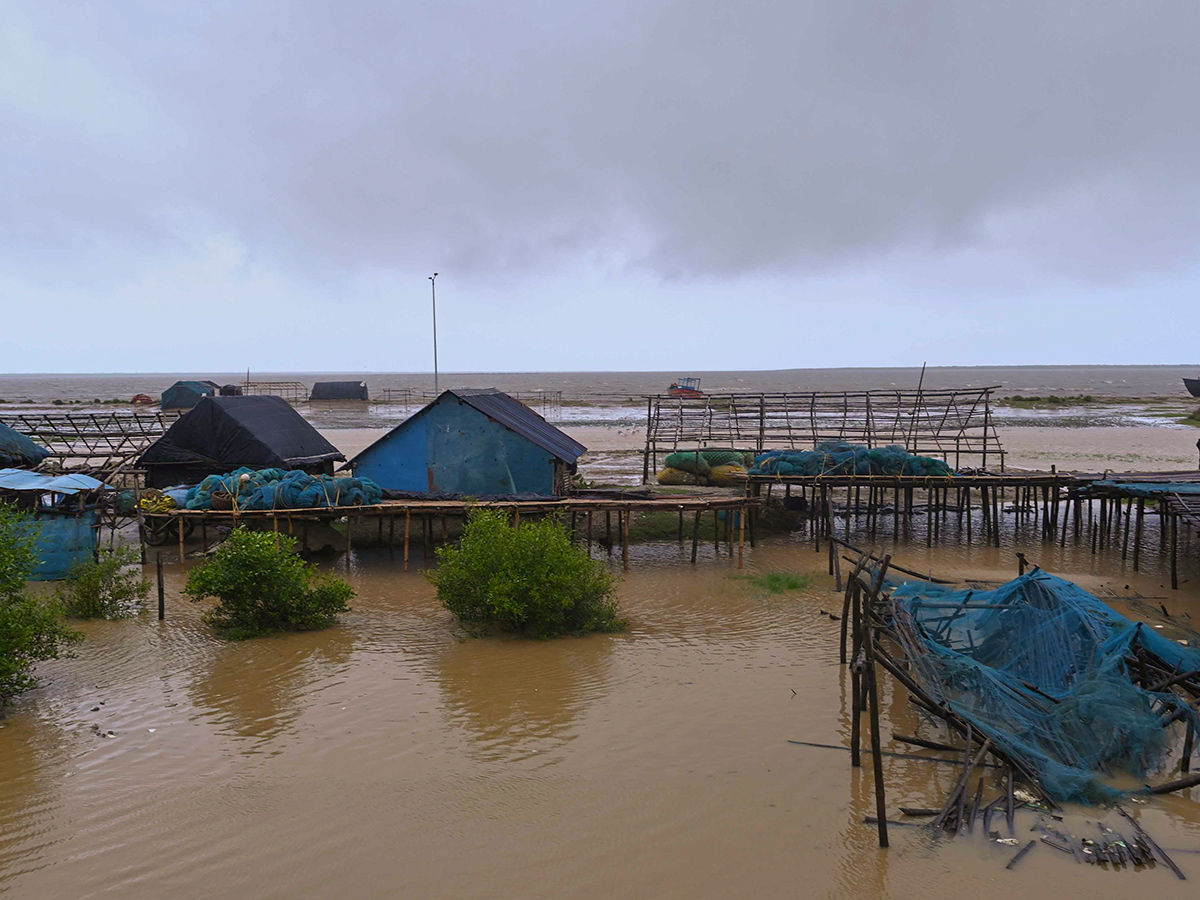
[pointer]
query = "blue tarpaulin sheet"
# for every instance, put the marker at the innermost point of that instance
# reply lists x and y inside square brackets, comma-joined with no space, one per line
[17,449]
[1147,488]
[22,480]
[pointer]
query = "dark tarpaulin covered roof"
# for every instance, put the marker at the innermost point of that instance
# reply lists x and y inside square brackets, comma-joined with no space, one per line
[515,415]
[19,450]
[339,390]
[241,431]
[184,394]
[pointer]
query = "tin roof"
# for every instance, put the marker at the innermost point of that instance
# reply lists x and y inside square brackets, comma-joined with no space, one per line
[513,414]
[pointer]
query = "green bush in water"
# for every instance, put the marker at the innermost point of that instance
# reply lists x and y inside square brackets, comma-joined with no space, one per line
[31,630]
[104,588]
[263,587]
[527,579]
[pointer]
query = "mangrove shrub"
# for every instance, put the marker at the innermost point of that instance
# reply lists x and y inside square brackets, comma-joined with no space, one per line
[104,588]
[263,586]
[31,630]
[528,579]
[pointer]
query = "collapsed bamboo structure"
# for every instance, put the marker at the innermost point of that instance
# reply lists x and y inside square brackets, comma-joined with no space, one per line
[873,637]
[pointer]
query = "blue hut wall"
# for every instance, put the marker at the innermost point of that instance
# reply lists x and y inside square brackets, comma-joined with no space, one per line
[451,446]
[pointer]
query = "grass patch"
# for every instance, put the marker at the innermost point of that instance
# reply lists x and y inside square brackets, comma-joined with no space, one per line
[1037,402]
[778,582]
[1191,419]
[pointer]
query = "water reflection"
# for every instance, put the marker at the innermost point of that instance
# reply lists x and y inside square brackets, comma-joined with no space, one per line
[256,689]
[29,794]
[516,698]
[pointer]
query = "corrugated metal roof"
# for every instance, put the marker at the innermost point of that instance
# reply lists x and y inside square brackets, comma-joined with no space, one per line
[511,413]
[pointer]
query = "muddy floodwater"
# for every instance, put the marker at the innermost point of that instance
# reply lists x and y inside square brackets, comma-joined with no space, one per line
[388,757]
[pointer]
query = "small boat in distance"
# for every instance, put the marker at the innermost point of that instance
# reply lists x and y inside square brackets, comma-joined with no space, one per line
[1193,386]
[685,387]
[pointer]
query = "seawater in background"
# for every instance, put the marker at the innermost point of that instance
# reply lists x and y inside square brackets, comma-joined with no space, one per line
[1110,381]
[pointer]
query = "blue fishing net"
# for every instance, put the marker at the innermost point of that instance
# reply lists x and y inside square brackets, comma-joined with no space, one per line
[840,458]
[1039,665]
[284,489]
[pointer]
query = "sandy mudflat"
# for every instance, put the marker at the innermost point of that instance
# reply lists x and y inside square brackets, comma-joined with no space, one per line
[1129,449]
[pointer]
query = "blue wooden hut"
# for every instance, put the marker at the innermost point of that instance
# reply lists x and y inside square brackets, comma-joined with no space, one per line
[475,442]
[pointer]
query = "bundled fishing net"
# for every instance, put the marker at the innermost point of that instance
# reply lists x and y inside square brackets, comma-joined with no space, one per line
[724,468]
[1039,664]
[283,489]
[841,458]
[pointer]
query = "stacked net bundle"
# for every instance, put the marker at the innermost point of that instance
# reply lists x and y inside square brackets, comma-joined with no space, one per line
[840,458]
[723,468]
[251,489]
[1038,665]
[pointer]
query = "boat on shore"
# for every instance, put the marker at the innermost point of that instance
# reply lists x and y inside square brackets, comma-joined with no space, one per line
[1193,386]
[688,388]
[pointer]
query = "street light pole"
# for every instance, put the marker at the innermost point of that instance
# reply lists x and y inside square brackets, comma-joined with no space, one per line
[433,295]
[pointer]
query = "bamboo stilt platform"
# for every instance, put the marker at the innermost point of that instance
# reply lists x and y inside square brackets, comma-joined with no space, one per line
[1100,510]
[426,512]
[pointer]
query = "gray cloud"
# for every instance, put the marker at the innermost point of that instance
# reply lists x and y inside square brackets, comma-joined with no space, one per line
[698,139]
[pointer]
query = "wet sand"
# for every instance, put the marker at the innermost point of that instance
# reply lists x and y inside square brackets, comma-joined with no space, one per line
[388,758]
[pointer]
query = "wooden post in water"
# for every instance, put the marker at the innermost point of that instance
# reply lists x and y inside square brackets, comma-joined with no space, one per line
[179,520]
[1125,539]
[876,748]
[1174,526]
[855,645]
[162,595]
[695,535]
[407,526]
[625,541]
[742,533]
[996,515]
[1137,532]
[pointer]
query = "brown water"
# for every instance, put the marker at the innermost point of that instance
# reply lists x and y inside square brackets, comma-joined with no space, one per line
[388,758]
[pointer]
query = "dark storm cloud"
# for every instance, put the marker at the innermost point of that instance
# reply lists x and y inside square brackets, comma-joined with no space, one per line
[696,138]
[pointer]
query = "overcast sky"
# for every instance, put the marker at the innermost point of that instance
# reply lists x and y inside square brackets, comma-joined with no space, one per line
[633,184]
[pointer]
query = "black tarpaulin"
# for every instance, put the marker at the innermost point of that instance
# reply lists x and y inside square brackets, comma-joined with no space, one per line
[222,433]
[339,390]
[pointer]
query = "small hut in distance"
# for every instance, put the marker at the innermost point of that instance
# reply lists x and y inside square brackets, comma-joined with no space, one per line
[339,390]
[186,394]
[475,442]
